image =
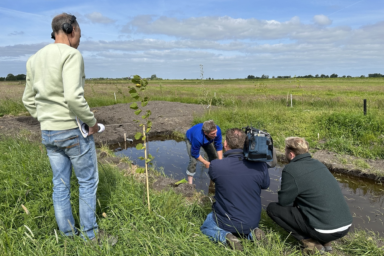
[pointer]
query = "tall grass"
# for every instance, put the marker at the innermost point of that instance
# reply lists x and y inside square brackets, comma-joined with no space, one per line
[11,107]
[171,228]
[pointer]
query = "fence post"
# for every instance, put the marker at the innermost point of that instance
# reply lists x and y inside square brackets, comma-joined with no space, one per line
[365,107]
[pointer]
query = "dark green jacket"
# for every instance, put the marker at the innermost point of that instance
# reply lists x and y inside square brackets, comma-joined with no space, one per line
[308,184]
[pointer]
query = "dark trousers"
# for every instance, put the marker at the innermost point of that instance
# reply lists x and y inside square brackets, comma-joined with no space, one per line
[292,220]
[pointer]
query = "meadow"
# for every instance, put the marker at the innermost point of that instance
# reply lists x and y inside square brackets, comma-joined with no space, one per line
[28,227]
[328,112]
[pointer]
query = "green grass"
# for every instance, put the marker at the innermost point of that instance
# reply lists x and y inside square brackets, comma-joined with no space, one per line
[171,228]
[11,107]
[327,112]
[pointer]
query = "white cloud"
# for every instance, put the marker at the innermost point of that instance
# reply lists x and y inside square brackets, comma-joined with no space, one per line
[214,28]
[96,17]
[295,49]
[322,20]
[16,33]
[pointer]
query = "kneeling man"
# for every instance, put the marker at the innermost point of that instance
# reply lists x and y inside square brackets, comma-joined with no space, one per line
[205,135]
[311,205]
[238,184]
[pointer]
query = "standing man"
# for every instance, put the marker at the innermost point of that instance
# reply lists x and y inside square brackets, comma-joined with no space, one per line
[205,135]
[311,205]
[238,185]
[54,95]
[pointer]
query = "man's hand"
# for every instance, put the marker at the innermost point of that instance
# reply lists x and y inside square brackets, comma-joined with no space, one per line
[205,162]
[93,129]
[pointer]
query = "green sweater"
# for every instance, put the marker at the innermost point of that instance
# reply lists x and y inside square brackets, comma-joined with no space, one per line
[308,184]
[54,92]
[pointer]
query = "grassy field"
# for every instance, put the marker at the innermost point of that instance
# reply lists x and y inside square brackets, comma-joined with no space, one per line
[28,227]
[327,112]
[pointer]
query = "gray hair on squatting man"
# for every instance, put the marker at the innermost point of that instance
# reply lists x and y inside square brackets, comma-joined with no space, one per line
[235,138]
[209,126]
[296,145]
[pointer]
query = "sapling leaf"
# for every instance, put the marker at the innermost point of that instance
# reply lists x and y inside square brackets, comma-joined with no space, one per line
[137,112]
[136,79]
[148,130]
[144,103]
[149,124]
[132,90]
[181,181]
[135,96]
[148,160]
[144,138]
[134,106]
[139,146]
[140,170]
[150,156]
[138,135]
[141,158]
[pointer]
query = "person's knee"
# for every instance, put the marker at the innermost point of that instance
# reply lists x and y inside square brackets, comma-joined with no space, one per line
[272,208]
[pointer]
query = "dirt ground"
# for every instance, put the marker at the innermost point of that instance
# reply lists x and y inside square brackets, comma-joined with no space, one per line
[168,117]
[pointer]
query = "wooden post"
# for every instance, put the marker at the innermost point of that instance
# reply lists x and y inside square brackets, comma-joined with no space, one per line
[365,107]
[125,141]
[115,96]
[146,167]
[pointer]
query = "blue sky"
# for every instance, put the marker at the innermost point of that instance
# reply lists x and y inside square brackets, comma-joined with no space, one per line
[231,39]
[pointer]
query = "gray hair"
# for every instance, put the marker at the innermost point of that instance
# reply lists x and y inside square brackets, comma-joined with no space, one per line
[235,138]
[209,126]
[60,19]
[296,145]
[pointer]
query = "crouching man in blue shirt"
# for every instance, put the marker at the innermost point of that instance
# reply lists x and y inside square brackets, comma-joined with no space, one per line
[238,184]
[205,135]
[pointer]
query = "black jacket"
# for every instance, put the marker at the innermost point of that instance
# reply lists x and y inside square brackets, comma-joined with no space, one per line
[308,184]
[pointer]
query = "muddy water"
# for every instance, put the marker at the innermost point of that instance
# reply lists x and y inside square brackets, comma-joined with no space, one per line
[364,197]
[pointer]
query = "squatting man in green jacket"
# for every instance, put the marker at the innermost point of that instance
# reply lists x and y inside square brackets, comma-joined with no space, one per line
[311,206]
[54,94]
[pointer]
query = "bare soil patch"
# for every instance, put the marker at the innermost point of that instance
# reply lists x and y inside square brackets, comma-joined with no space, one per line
[167,117]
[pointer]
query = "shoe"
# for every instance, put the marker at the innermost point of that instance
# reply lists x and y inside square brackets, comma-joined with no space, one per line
[234,242]
[102,236]
[312,246]
[258,234]
[328,247]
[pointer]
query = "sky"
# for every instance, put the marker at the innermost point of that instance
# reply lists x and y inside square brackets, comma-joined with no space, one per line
[230,39]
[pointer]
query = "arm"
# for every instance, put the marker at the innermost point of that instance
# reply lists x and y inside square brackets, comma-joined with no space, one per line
[288,191]
[266,180]
[73,71]
[218,141]
[205,162]
[29,94]
[220,154]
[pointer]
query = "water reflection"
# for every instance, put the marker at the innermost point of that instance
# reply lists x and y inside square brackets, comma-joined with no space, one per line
[364,197]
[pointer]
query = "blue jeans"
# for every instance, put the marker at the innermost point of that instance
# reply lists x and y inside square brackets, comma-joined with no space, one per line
[214,232]
[67,149]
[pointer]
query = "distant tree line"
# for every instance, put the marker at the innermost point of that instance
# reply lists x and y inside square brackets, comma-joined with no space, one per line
[315,76]
[11,77]
[256,77]
[375,75]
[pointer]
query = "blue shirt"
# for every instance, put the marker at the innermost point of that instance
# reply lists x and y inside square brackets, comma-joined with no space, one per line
[238,184]
[197,138]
